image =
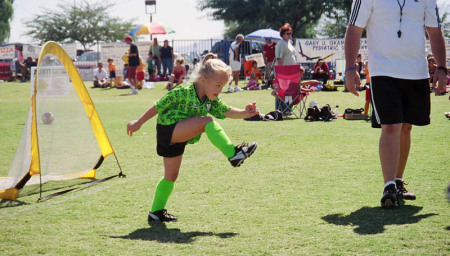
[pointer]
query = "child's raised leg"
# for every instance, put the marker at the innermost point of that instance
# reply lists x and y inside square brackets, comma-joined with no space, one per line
[191,127]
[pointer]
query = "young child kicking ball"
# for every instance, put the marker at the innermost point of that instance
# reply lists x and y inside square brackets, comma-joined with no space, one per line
[183,117]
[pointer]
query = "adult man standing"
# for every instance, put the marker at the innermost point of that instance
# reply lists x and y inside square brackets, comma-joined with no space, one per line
[155,51]
[399,78]
[133,63]
[100,76]
[269,56]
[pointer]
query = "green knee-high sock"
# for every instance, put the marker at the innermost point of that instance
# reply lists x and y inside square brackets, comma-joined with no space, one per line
[219,139]
[162,193]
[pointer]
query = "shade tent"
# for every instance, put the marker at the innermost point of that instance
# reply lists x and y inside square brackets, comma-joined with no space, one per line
[263,34]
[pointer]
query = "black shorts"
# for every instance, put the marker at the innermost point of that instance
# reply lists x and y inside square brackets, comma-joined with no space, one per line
[112,74]
[397,100]
[163,137]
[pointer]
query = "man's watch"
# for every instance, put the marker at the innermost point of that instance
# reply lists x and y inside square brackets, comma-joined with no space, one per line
[443,69]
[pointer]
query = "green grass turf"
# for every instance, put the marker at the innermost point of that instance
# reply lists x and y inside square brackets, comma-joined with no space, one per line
[310,188]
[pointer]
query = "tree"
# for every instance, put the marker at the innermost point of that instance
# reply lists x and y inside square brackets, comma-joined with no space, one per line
[249,15]
[6,14]
[335,20]
[445,23]
[85,23]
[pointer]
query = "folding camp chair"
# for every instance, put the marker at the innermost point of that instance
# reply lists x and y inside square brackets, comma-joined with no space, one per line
[289,94]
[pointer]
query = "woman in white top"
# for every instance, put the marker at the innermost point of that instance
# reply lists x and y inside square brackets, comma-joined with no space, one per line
[235,62]
[285,51]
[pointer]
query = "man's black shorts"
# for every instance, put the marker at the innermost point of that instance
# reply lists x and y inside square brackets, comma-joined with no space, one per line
[397,100]
[163,137]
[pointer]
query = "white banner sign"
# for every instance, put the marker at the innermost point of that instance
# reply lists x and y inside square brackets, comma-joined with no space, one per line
[310,50]
[258,57]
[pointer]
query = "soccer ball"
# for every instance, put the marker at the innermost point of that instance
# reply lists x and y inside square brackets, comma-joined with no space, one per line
[48,117]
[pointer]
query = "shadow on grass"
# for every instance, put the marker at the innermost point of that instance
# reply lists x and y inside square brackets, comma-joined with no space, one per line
[49,187]
[373,220]
[5,203]
[159,232]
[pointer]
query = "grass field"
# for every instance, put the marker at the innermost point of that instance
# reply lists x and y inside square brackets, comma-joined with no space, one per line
[309,189]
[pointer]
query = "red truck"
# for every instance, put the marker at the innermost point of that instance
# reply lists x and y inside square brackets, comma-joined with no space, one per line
[8,57]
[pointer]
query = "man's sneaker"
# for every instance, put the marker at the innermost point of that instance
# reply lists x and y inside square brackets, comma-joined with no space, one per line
[389,198]
[230,89]
[401,191]
[242,152]
[237,89]
[160,216]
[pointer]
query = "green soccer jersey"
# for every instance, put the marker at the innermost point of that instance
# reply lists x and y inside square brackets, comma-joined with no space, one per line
[183,102]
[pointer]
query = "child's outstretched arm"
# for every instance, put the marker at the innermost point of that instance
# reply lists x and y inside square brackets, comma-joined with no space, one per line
[135,125]
[249,111]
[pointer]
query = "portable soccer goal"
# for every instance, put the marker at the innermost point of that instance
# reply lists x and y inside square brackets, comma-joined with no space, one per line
[63,137]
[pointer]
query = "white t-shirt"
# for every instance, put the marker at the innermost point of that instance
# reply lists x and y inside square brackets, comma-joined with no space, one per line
[233,46]
[389,55]
[101,75]
[235,65]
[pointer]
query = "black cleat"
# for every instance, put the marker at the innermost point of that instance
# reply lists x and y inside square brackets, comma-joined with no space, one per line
[402,192]
[160,216]
[389,199]
[243,151]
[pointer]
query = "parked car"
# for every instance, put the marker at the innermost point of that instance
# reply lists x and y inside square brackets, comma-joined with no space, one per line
[87,60]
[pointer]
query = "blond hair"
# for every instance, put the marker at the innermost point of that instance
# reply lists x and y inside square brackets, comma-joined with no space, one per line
[209,68]
[180,60]
[209,56]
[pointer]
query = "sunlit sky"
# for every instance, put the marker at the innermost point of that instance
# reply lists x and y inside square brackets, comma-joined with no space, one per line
[181,15]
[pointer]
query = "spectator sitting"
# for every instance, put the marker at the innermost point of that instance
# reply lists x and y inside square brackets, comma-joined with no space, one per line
[100,77]
[255,70]
[252,85]
[178,75]
[360,67]
[26,68]
[321,71]
[19,62]
[124,71]
[431,67]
